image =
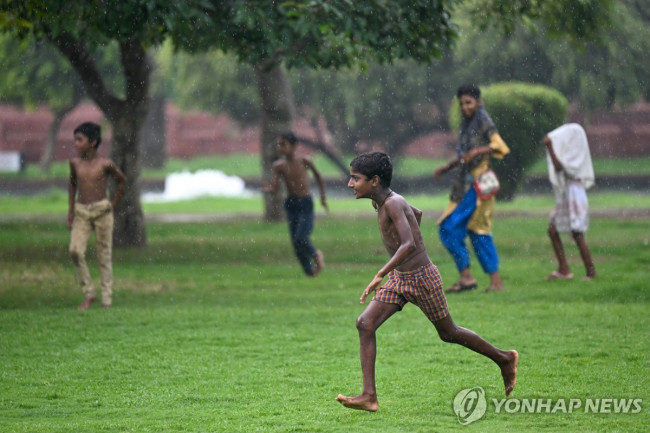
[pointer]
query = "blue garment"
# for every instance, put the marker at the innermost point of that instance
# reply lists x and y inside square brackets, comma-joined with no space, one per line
[452,233]
[300,215]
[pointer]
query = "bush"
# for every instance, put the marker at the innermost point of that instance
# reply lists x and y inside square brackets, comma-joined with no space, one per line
[523,114]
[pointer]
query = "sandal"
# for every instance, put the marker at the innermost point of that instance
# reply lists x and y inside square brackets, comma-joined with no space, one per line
[460,287]
[557,275]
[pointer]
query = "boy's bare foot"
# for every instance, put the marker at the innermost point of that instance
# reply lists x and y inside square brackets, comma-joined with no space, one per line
[319,262]
[86,303]
[559,275]
[509,371]
[360,402]
[495,288]
[590,276]
[106,306]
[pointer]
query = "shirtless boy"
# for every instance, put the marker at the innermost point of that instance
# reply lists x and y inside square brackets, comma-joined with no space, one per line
[292,168]
[412,277]
[89,174]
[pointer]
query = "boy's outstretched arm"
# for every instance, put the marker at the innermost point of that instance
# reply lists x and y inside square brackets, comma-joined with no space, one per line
[445,168]
[319,181]
[273,186]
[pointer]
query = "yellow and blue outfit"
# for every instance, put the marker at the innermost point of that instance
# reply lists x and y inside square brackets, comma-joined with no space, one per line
[466,212]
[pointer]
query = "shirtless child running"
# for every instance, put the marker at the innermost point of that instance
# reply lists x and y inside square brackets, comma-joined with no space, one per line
[292,168]
[412,277]
[89,174]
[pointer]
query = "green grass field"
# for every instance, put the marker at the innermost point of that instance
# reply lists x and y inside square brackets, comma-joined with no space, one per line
[214,329]
[54,204]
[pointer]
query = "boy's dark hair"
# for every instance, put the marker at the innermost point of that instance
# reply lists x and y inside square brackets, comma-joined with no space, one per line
[469,90]
[91,130]
[374,163]
[290,137]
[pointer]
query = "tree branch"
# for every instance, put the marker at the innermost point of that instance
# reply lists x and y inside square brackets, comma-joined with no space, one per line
[270,63]
[81,60]
[323,148]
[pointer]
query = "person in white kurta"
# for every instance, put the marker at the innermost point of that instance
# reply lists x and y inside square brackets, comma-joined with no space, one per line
[571,173]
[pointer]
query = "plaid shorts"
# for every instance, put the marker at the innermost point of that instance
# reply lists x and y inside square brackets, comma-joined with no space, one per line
[422,287]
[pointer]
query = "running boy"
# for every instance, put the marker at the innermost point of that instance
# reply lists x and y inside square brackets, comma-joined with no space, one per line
[92,211]
[292,168]
[412,277]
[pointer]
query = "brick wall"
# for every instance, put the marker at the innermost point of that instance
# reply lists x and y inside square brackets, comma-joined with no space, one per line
[617,133]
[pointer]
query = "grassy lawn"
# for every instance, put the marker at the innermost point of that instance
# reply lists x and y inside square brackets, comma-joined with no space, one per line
[214,329]
[54,204]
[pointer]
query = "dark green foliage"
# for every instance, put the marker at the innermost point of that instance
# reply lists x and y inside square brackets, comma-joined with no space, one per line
[588,17]
[523,113]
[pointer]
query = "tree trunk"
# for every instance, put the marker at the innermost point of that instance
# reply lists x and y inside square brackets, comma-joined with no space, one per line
[127,124]
[277,113]
[154,142]
[48,154]
[129,229]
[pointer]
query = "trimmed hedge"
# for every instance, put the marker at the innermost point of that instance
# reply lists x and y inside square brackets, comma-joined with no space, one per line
[523,114]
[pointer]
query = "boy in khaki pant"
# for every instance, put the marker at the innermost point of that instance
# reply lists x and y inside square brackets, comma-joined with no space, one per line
[92,211]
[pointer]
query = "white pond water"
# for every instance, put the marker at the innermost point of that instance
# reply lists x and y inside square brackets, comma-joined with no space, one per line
[202,183]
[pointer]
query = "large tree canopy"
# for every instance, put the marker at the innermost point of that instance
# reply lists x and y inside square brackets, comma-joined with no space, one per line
[324,33]
[579,20]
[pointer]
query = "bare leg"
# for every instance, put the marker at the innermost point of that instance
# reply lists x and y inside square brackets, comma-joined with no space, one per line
[496,284]
[372,317]
[585,254]
[319,262]
[507,360]
[86,303]
[563,265]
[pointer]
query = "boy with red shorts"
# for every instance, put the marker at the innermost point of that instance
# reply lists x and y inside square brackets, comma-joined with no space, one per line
[412,277]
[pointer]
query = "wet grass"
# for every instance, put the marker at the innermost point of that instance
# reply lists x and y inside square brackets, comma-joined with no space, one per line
[214,329]
[54,204]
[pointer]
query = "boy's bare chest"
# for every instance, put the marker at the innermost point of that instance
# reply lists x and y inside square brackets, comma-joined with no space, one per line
[90,170]
[294,170]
